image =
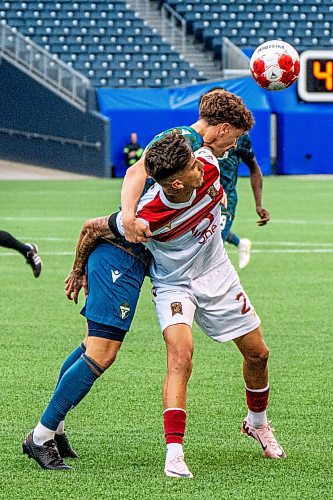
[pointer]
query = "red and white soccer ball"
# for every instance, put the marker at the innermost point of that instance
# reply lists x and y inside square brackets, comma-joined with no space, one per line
[275,65]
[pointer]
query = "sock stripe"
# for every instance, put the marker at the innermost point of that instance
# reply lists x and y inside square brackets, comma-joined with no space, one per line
[170,409]
[257,390]
[95,368]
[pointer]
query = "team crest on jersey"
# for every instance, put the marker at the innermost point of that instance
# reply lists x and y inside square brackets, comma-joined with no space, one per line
[124,310]
[213,192]
[176,308]
[168,226]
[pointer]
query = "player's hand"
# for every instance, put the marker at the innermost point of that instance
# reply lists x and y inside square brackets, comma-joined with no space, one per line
[136,231]
[264,216]
[73,284]
[224,200]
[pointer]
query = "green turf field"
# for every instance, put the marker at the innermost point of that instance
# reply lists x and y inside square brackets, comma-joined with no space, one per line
[117,430]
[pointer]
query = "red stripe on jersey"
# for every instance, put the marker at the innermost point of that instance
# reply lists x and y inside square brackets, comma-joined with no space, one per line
[157,214]
[189,223]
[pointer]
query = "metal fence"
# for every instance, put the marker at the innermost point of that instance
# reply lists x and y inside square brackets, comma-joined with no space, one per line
[234,61]
[174,26]
[45,66]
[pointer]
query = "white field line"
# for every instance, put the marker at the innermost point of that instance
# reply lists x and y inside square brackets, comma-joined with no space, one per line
[83,218]
[291,244]
[230,251]
[254,243]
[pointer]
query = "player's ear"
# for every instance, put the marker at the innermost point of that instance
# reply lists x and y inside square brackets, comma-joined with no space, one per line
[224,128]
[177,184]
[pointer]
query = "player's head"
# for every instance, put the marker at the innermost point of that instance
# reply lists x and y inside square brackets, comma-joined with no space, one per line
[134,138]
[170,162]
[226,116]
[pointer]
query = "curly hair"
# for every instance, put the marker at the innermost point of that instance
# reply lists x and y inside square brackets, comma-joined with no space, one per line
[220,106]
[167,156]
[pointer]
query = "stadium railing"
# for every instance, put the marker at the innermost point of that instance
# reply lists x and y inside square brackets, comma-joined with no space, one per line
[36,61]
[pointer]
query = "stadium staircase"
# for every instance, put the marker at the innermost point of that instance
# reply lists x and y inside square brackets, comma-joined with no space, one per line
[104,40]
[306,24]
[172,26]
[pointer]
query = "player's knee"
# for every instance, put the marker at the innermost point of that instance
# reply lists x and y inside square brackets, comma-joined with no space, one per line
[104,359]
[181,363]
[258,358]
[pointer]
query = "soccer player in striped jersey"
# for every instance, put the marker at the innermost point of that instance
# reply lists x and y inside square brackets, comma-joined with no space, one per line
[194,279]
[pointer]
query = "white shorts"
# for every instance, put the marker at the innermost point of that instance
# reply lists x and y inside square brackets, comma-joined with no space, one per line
[216,301]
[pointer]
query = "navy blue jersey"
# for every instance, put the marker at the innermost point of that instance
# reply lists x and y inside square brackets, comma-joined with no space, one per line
[229,165]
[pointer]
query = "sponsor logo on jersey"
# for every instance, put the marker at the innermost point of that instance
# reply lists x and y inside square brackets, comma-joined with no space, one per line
[115,275]
[176,308]
[213,192]
[204,231]
[124,310]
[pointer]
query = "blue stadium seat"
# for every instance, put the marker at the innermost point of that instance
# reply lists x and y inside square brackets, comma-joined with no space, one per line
[203,16]
[104,40]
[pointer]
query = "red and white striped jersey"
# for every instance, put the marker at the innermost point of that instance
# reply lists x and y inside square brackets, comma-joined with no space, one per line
[186,240]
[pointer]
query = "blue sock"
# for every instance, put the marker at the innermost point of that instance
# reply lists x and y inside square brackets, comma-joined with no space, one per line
[70,360]
[73,386]
[233,239]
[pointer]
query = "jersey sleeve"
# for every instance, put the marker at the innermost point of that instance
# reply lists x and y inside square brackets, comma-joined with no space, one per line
[244,149]
[195,139]
[119,223]
[204,154]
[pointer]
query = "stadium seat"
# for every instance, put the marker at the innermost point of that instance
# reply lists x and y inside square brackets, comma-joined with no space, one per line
[104,40]
[203,18]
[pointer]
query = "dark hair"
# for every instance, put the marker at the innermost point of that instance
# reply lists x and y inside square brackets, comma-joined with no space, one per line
[220,106]
[167,156]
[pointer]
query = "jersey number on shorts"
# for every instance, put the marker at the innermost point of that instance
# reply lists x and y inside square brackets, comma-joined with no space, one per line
[224,219]
[245,308]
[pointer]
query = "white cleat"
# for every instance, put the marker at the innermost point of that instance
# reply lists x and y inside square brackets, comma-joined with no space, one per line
[176,467]
[244,250]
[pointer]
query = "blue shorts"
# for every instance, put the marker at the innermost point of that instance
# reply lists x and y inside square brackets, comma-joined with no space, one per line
[114,283]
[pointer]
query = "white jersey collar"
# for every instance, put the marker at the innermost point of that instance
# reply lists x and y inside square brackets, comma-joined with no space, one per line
[177,205]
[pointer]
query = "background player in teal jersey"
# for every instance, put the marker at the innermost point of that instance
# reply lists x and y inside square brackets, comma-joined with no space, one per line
[229,165]
[217,118]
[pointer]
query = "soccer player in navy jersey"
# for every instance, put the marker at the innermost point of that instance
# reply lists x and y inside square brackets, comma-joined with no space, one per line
[229,164]
[115,271]
[28,250]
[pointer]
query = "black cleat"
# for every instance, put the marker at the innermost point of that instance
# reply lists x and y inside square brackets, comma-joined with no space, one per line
[47,455]
[34,260]
[64,447]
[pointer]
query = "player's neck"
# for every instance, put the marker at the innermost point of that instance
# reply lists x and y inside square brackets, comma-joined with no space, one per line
[200,127]
[180,196]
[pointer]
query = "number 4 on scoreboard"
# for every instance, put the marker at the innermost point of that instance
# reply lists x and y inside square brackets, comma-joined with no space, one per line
[326,75]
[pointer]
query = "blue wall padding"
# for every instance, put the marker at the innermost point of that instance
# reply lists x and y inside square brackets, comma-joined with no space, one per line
[150,111]
[305,132]
[26,105]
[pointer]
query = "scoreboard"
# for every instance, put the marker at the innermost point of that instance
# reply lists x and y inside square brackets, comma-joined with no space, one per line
[315,81]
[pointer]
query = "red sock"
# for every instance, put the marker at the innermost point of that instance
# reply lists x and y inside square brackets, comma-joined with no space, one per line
[257,399]
[174,425]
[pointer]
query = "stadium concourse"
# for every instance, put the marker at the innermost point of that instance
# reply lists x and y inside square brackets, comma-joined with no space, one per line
[18,171]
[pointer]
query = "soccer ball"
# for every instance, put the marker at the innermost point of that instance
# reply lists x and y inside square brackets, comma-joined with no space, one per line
[275,65]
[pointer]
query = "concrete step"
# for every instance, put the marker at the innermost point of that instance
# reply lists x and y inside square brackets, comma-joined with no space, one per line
[194,53]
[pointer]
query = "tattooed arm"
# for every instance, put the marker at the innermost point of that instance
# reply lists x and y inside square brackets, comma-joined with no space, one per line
[93,229]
